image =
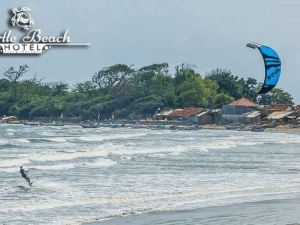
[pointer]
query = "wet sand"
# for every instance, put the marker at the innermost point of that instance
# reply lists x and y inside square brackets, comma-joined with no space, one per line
[281,212]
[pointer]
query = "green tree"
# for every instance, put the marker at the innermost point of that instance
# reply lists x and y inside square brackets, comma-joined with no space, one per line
[113,79]
[193,90]
[13,76]
[276,96]
[154,80]
[146,106]
[227,82]
[59,88]
[127,92]
[87,86]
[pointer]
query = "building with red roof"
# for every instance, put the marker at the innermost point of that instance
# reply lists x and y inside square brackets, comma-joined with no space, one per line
[186,112]
[190,115]
[234,112]
[243,102]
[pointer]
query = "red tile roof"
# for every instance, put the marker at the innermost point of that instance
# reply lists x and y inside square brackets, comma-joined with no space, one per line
[186,112]
[243,102]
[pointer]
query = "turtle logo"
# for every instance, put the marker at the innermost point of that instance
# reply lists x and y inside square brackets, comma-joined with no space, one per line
[22,18]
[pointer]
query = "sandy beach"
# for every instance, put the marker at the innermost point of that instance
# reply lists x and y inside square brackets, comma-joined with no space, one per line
[273,212]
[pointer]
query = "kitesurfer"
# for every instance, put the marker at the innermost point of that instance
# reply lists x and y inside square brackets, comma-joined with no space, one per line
[24,174]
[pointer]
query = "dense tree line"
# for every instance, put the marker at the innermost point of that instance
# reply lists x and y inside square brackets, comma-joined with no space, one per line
[127,92]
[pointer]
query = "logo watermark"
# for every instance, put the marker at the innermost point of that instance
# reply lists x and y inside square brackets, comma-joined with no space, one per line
[22,18]
[33,42]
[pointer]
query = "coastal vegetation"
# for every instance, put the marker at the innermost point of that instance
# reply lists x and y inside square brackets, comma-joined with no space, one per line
[126,92]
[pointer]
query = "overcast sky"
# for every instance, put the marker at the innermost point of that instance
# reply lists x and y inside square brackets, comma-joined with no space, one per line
[207,33]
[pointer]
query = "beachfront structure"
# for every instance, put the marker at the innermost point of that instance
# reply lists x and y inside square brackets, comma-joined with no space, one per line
[281,113]
[6,119]
[163,115]
[188,115]
[253,117]
[283,117]
[198,116]
[278,108]
[236,111]
[242,111]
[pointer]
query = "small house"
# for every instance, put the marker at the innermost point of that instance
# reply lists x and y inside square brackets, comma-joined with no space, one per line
[189,115]
[234,112]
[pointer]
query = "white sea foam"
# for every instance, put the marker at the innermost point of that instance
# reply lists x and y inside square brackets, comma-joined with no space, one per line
[50,139]
[54,167]
[214,145]
[10,169]
[62,156]
[164,199]
[21,140]
[13,141]
[234,137]
[93,138]
[189,138]
[10,132]
[15,169]
[6,163]
[248,143]
[100,162]
[3,141]
[51,157]
[122,150]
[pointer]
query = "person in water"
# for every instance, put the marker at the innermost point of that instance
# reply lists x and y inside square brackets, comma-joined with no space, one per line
[24,174]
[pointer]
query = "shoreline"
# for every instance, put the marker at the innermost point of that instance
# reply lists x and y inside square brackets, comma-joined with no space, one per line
[151,125]
[283,211]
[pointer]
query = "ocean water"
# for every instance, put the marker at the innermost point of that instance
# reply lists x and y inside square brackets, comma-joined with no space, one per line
[82,175]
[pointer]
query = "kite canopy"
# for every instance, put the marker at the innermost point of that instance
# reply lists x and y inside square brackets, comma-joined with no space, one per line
[272,66]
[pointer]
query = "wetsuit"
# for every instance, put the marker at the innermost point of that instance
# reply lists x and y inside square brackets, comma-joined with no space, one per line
[24,175]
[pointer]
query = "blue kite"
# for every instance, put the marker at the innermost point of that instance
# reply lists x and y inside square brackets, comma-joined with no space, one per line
[272,66]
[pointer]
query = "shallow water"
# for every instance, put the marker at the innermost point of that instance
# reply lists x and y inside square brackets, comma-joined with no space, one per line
[85,174]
